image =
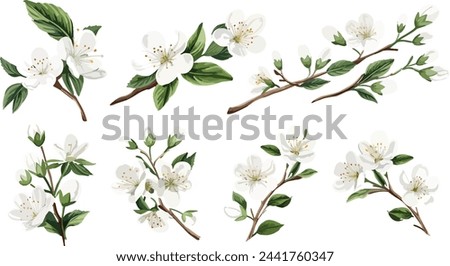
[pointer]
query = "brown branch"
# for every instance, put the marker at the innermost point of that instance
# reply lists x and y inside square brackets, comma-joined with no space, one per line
[134,93]
[346,89]
[170,212]
[245,104]
[71,96]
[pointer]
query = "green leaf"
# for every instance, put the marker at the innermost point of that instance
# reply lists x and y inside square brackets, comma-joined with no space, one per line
[339,39]
[162,94]
[220,26]
[74,218]
[132,145]
[184,158]
[308,173]
[196,44]
[205,73]
[240,200]
[360,194]
[366,95]
[243,214]
[16,94]
[94,28]
[141,81]
[72,83]
[10,69]
[142,205]
[65,169]
[380,178]
[146,165]
[340,68]
[217,52]
[279,200]
[402,159]
[51,19]
[294,169]
[400,214]
[377,87]
[50,224]
[268,227]
[79,169]
[271,149]
[314,83]
[376,70]
[84,162]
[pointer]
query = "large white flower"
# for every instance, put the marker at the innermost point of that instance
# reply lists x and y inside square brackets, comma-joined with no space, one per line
[167,60]
[43,70]
[71,150]
[296,147]
[32,209]
[378,154]
[241,35]
[253,177]
[130,178]
[350,173]
[418,187]
[363,30]
[176,178]
[156,219]
[260,80]
[81,56]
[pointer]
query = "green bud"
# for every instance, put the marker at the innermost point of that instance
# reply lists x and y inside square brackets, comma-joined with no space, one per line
[41,169]
[132,145]
[339,39]
[36,136]
[400,27]
[306,61]
[377,87]
[277,61]
[418,40]
[25,178]
[150,140]
[173,141]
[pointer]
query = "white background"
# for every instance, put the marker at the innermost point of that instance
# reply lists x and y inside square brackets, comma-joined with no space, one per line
[318,218]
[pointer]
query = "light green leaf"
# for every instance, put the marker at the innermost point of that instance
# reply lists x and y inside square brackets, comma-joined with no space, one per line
[16,94]
[162,94]
[400,214]
[271,149]
[74,218]
[141,81]
[205,73]
[240,200]
[51,19]
[94,28]
[84,162]
[279,200]
[402,159]
[314,83]
[196,43]
[10,69]
[377,87]
[360,194]
[269,227]
[366,95]
[308,173]
[243,214]
[376,70]
[340,68]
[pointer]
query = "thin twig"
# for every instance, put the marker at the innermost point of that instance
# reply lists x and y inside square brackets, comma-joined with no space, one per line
[72,97]
[134,93]
[170,212]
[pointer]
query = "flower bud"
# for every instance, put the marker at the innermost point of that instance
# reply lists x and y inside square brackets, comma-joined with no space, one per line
[36,136]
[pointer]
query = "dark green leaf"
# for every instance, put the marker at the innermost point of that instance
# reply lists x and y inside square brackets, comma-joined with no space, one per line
[50,224]
[240,200]
[366,95]
[217,52]
[185,158]
[141,81]
[94,28]
[268,227]
[308,173]
[142,205]
[146,165]
[74,218]
[132,145]
[271,149]
[294,169]
[53,165]
[314,83]
[10,69]
[400,214]
[220,26]
[340,68]
[84,162]
[162,94]
[279,200]
[79,169]
[379,177]
[360,194]
[72,83]
[196,43]
[65,169]
[16,94]
[402,159]
[204,73]
[51,19]
[376,70]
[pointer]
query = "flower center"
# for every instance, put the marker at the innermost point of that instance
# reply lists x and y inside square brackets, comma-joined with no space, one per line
[155,221]
[242,33]
[162,56]
[377,151]
[364,32]
[40,67]
[253,175]
[148,187]
[419,187]
[297,146]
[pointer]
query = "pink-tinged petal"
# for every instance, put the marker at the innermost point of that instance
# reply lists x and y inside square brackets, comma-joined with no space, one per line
[72,66]
[65,48]
[237,49]
[235,17]
[152,40]
[258,44]
[183,63]
[166,74]
[410,199]
[87,40]
[256,23]
[222,37]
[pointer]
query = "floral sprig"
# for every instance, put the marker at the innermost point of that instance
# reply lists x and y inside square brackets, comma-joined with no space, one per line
[76,60]
[372,79]
[161,65]
[49,201]
[154,188]
[376,158]
[256,178]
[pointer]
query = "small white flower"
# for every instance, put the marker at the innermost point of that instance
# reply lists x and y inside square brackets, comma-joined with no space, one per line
[303,52]
[419,187]
[71,187]
[156,219]
[42,71]
[168,61]
[252,176]
[80,56]
[130,178]
[147,187]
[260,80]
[232,212]
[296,147]
[176,178]
[241,35]
[431,12]
[32,209]
[350,173]
[71,150]
[440,73]
[363,30]
[378,154]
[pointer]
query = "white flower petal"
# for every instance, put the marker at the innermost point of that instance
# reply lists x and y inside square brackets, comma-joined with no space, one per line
[254,162]
[410,199]
[258,44]
[152,40]
[256,23]
[97,74]
[65,48]
[87,40]
[222,37]
[366,20]
[71,63]
[232,212]
[235,18]
[181,44]
[237,49]
[183,64]
[165,74]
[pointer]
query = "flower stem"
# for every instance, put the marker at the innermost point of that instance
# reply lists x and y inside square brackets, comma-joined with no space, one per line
[170,212]
[134,93]
[263,206]
[72,97]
